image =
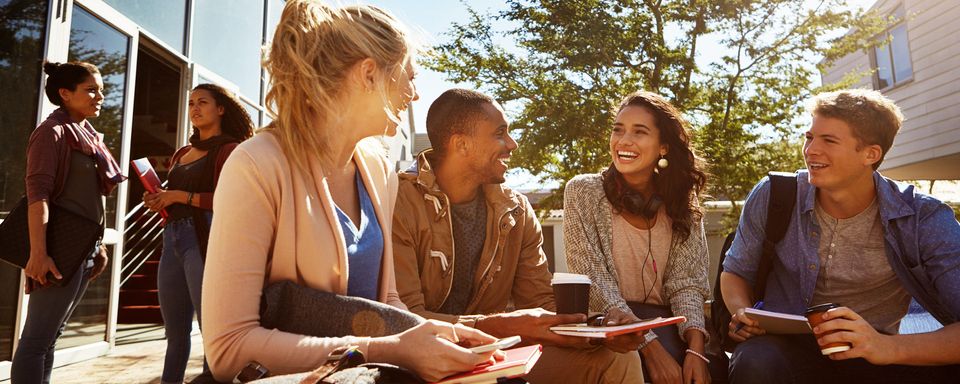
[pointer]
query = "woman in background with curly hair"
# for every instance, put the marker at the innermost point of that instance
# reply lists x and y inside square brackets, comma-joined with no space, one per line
[219,124]
[637,230]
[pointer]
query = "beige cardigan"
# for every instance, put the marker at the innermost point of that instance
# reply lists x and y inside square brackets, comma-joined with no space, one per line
[272,224]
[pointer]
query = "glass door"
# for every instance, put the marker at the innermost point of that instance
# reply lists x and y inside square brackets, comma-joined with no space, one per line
[94,41]
[92,32]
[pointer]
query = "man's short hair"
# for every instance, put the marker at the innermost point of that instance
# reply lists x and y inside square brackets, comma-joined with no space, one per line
[873,117]
[456,111]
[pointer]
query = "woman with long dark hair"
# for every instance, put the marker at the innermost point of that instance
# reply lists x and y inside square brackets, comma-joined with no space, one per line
[219,124]
[637,230]
[69,166]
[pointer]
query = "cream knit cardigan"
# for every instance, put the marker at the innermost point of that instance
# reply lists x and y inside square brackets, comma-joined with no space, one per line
[587,221]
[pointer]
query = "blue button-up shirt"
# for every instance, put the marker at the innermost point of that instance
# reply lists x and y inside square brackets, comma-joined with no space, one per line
[921,234]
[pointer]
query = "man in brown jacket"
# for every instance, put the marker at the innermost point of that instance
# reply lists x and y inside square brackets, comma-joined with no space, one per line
[468,250]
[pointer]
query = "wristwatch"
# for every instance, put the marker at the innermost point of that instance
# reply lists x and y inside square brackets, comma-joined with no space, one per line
[251,372]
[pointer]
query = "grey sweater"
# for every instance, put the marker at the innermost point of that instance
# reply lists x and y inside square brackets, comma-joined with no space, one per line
[587,220]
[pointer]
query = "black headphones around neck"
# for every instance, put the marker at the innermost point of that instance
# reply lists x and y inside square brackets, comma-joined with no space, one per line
[635,203]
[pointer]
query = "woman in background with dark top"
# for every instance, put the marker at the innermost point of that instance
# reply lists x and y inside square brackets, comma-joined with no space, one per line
[219,124]
[68,165]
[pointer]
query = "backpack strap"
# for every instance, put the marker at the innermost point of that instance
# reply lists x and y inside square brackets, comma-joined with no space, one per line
[783,197]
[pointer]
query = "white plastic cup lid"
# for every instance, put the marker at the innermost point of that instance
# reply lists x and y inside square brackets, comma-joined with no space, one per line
[569,278]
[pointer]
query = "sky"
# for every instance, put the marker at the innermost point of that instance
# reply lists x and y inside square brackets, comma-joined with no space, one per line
[430,20]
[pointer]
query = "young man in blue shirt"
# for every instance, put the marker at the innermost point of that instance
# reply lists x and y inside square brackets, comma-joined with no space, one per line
[857,239]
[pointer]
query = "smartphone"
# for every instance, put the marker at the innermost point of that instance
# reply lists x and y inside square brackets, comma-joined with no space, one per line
[503,343]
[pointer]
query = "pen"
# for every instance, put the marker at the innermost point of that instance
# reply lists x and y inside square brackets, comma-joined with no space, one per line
[758,305]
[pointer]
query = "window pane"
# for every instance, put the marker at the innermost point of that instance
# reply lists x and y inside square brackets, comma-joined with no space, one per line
[234,52]
[901,54]
[94,41]
[21,50]
[884,70]
[273,17]
[253,112]
[165,19]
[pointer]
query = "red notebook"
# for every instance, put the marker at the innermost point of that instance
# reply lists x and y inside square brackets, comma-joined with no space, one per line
[519,362]
[584,330]
[149,178]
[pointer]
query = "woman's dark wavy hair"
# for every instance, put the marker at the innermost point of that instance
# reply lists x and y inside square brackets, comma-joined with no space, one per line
[65,75]
[235,121]
[680,182]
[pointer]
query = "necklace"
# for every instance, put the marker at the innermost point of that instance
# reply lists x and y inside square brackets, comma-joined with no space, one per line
[827,219]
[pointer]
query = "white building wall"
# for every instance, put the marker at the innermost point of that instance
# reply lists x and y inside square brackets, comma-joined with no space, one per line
[928,146]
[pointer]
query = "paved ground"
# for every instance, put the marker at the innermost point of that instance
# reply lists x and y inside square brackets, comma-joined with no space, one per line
[137,358]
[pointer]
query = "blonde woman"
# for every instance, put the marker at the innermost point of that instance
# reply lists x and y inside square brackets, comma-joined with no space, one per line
[306,200]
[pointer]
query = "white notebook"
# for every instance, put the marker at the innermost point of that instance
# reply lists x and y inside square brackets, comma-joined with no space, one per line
[780,323]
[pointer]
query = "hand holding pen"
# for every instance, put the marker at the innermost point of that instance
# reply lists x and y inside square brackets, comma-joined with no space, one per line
[745,327]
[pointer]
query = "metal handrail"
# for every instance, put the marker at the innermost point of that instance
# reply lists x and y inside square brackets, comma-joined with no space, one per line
[143,229]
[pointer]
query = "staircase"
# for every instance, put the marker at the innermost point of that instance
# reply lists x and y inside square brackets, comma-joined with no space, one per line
[143,242]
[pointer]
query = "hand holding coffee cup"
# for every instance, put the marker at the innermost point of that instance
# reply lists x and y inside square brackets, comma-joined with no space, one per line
[571,292]
[815,317]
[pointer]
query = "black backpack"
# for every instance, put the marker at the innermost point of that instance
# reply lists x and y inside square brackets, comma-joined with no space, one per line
[783,195]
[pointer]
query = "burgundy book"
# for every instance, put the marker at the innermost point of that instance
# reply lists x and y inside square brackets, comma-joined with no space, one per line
[519,362]
[149,178]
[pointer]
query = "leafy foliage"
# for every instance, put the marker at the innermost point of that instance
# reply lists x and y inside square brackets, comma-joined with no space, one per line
[561,65]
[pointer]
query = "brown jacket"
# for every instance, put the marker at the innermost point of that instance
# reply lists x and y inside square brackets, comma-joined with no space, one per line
[512,263]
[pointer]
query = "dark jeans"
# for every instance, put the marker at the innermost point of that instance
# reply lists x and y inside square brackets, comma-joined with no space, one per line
[669,337]
[797,359]
[49,309]
[179,281]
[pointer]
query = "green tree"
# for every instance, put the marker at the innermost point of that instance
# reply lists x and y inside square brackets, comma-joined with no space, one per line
[21,51]
[561,65]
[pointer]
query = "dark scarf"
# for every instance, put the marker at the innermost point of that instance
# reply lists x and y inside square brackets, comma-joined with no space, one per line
[211,142]
[83,138]
[212,146]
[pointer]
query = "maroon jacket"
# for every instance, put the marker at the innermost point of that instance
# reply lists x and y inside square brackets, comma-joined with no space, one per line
[48,159]
[205,199]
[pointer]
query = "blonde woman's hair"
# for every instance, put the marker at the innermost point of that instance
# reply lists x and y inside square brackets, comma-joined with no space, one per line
[313,49]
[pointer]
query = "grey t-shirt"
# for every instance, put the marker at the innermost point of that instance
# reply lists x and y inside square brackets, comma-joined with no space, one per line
[469,234]
[81,190]
[855,272]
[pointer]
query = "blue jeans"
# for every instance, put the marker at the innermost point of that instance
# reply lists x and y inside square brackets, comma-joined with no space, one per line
[49,309]
[797,359]
[179,281]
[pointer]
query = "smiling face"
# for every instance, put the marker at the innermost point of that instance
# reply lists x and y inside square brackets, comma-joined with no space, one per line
[86,99]
[488,148]
[204,111]
[834,156]
[635,142]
